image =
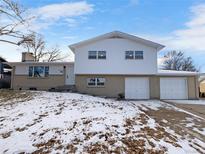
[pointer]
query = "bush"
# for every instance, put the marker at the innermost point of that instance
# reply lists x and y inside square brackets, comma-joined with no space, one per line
[121,96]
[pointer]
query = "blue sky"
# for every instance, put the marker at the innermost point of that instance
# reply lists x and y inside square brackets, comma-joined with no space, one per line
[177,24]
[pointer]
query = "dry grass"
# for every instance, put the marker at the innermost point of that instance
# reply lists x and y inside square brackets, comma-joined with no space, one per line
[135,135]
[177,121]
[131,141]
[13,96]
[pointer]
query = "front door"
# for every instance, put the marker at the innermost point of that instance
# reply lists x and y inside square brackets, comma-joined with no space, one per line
[70,76]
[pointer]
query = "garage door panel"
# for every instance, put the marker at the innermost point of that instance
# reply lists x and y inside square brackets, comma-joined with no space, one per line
[173,88]
[136,88]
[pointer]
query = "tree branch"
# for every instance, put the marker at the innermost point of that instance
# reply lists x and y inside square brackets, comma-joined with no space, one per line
[6,41]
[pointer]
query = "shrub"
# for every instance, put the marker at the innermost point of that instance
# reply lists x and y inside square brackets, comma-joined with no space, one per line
[121,96]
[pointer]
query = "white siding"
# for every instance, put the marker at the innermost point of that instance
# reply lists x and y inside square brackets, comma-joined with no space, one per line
[21,70]
[53,69]
[115,62]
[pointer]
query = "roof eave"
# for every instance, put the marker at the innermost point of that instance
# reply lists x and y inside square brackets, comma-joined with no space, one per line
[175,74]
[36,63]
[160,47]
[133,37]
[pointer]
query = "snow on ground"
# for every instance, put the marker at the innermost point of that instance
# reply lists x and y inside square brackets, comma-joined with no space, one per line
[200,102]
[75,123]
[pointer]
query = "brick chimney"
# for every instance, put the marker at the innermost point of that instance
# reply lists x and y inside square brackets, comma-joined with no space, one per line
[27,56]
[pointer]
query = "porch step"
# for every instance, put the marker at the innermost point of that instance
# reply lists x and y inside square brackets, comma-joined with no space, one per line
[68,88]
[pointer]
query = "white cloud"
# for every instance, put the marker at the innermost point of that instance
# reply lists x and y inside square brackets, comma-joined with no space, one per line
[160,61]
[134,2]
[10,52]
[198,16]
[45,16]
[70,37]
[64,10]
[191,38]
[51,14]
[71,22]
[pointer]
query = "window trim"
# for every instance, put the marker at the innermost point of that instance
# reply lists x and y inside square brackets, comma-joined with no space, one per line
[96,82]
[97,55]
[88,80]
[141,55]
[134,54]
[45,75]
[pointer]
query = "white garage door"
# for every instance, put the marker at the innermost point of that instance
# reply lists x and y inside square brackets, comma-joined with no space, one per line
[136,88]
[173,88]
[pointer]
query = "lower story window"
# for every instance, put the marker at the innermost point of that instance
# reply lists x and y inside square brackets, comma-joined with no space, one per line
[91,81]
[96,82]
[100,81]
[38,71]
[30,72]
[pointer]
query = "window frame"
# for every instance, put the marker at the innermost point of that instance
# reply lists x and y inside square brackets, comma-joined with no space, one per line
[96,83]
[31,74]
[89,56]
[141,56]
[97,55]
[88,81]
[134,56]
[102,81]
[45,72]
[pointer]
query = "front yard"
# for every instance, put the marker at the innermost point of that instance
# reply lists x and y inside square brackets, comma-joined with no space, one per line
[45,122]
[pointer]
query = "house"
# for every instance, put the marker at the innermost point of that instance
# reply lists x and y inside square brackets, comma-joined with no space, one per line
[113,65]
[202,88]
[117,63]
[32,75]
[5,74]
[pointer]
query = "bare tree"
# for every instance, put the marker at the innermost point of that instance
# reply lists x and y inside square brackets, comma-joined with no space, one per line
[36,45]
[12,16]
[178,61]
[54,54]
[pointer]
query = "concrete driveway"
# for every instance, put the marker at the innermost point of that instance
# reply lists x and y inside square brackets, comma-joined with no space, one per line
[194,106]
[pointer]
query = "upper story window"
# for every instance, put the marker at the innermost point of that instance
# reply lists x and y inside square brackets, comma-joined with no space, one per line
[133,54]
[96,54]
[129,54]
[101,54]
[138,54]
[92,54]
[38,71]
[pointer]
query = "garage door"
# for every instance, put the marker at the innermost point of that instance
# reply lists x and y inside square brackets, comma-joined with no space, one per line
[136,88]
[173,88]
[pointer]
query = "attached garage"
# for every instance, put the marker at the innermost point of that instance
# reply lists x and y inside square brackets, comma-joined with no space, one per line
[137,88]
[164,85]
[173,88]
